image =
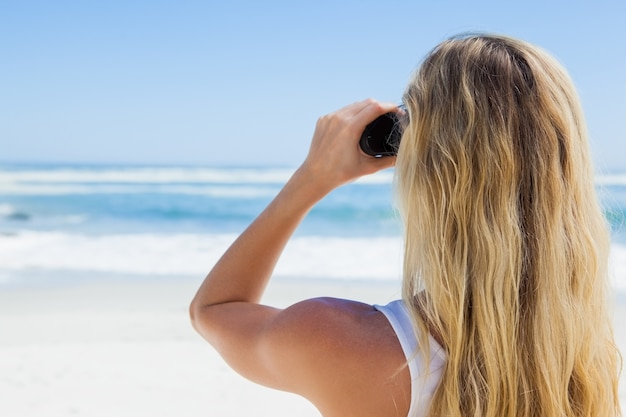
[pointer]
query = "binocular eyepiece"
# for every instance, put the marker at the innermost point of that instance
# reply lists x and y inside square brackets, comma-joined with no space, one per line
[382,136]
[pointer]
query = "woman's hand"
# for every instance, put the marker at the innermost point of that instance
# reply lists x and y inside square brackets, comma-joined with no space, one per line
[335,156]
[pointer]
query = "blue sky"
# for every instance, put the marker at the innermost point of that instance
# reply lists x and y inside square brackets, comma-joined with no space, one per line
[243,82]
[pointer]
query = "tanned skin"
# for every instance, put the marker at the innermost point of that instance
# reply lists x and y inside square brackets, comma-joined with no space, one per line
[341,355]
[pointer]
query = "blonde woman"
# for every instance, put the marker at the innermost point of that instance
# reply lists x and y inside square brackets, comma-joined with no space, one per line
[504,309]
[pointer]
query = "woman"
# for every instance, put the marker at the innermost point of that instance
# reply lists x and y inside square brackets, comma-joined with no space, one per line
[504,309]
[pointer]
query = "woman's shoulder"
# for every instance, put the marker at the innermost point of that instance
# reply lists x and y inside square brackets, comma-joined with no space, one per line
[349,355]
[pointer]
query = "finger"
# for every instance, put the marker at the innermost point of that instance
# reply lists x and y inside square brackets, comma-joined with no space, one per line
[372,109]
[358,106]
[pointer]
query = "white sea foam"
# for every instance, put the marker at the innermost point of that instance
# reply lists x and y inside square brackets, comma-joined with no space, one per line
[371,258]
[146,175]
[6,210]
[164,176]
[190,175]
[82,189]
[616,179]
[193,181]
[617,266]
[194,254]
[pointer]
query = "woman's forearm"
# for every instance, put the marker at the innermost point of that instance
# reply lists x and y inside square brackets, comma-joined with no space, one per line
[243,271]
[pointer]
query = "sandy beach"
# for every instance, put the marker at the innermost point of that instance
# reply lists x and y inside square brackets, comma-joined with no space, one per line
[127,349]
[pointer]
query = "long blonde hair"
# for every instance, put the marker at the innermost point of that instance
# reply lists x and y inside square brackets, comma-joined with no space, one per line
[506,246]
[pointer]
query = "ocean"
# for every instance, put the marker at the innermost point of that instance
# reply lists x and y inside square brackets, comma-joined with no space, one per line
[62,223]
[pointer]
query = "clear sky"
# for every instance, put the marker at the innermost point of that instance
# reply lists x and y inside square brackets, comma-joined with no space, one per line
[243,82]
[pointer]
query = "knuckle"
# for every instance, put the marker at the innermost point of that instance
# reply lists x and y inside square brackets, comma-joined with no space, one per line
[377,106]
[323,119]
[374,103]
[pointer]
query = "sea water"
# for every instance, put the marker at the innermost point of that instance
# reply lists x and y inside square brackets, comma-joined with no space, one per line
[76,222]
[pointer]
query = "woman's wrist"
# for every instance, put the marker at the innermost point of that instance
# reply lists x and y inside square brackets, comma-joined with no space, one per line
[304,189]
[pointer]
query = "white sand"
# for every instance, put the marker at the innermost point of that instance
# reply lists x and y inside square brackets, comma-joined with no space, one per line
[121,349]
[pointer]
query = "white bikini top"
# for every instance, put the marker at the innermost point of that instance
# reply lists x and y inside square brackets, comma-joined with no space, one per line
[423,381]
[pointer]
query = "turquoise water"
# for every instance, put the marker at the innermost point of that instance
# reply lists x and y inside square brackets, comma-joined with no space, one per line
[147,220]
[106,199]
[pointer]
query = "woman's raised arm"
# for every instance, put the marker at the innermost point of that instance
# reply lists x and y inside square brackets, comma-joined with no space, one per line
[225,310]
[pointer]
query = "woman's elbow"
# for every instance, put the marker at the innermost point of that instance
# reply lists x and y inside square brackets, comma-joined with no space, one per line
[197,315]
[206,320]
